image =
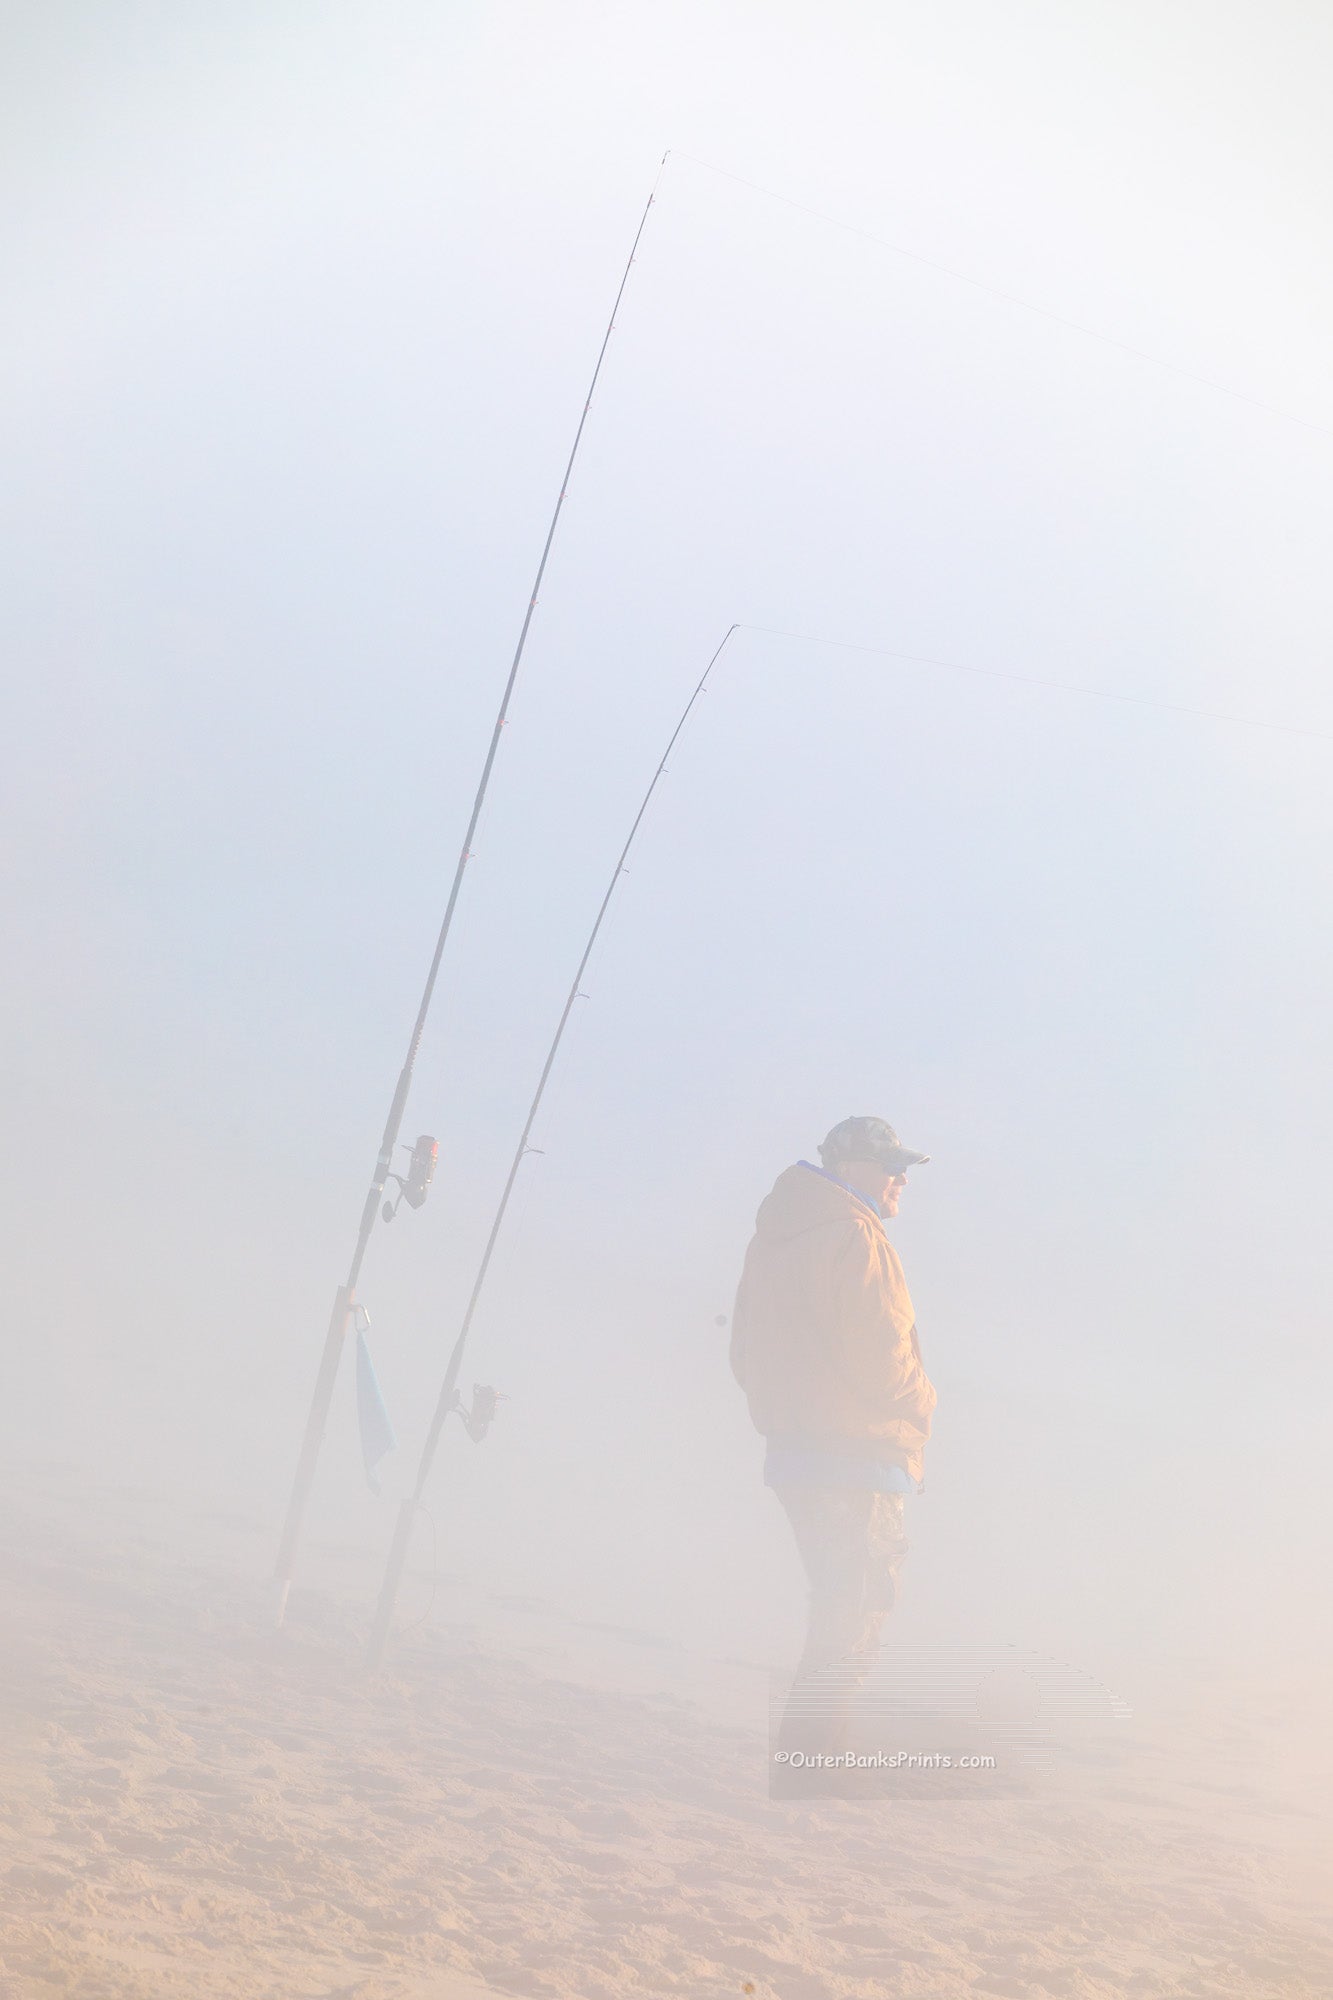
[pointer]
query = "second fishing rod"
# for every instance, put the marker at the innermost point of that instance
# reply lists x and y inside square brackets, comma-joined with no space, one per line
[448,1402]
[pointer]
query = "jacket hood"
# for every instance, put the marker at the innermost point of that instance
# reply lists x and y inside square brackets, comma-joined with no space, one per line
[802,1199]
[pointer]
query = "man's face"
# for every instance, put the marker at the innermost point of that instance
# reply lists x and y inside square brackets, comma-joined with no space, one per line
[893,1187]
[872,1177]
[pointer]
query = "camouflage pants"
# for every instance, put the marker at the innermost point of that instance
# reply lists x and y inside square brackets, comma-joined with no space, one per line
[852,1546]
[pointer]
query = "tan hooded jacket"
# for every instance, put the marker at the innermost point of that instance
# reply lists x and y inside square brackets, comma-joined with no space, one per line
[823,1337]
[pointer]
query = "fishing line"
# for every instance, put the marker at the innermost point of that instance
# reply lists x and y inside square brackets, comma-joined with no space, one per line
[1008,298]
[345,1297]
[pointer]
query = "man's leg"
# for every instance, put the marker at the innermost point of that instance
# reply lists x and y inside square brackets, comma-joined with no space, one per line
[886,1548]
[852,1546]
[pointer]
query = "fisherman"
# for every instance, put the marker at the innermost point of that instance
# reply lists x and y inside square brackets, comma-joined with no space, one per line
[824,1345]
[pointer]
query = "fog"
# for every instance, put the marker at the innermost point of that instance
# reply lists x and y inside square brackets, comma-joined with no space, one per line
[1019,365]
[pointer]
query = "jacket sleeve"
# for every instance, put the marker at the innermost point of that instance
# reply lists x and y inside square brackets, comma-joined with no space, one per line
[878,1354]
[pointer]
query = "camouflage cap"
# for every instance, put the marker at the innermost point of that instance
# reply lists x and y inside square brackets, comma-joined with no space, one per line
[869,1139]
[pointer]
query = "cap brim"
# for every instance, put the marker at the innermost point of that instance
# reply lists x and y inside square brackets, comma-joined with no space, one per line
[902,1159]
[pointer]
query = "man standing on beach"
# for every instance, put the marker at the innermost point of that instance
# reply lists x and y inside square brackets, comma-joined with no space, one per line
[824,1345]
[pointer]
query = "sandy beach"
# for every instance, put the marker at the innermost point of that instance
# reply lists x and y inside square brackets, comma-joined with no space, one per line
[197,1805]
[670,700]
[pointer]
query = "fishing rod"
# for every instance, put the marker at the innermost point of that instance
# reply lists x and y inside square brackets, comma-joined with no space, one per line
[414,1185]
[483,1402]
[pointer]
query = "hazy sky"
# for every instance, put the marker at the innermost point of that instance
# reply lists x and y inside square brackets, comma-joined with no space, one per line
[302,307]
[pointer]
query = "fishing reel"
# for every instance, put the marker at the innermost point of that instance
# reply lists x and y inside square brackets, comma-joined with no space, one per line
[414,1186]
[485,1404]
